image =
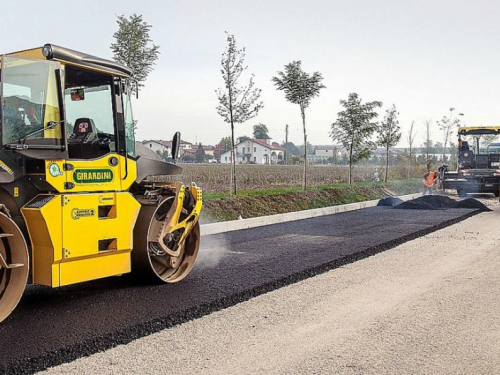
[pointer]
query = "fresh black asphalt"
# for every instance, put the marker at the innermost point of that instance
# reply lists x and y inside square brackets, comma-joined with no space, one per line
[53,326]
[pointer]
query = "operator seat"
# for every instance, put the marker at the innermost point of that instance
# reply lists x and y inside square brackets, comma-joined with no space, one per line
[83,143]
[466,156]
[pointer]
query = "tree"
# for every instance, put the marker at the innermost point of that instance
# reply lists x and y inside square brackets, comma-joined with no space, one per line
[290,151]
[295,159]
[335,156]
[188,158]
[487,139]
[453,156]
[134,48]
[438,148]
[446,125]
[401,157]
[237,104]
[310,149]
[291,148]
[427,143]
[260,131]
[243,138]
[389,134]
[225,143]
[221,147]
[411,140]
[299,87]
[163,154]
[421,160]
[354,128]
[200,155]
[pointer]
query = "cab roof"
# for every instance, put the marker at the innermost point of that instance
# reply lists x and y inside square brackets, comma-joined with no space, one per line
[478,130]
[68,56]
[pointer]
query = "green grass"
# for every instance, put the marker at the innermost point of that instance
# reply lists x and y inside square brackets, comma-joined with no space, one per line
[276,191]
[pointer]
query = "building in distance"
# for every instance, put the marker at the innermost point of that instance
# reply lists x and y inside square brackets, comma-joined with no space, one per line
[255,151]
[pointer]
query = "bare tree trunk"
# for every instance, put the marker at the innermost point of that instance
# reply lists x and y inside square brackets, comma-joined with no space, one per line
[409,166]
[232,185]
[428,139]
[411,137]
[232,189]
[447,134]
[350,165]
[386,163]
[304,175]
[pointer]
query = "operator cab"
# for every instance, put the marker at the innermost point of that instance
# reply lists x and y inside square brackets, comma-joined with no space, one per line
[474,157]
[66,122]
[90,122]
[62,104]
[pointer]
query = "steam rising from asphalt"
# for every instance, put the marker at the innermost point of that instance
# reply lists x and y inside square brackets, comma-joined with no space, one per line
[212,251]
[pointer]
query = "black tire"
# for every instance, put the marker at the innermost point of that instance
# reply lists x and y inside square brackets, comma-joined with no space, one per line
[497,193]
[462,193]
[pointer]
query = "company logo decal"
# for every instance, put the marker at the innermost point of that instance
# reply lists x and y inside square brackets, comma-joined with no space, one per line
[103,199]
[76,213]
[54,170]
[88,176]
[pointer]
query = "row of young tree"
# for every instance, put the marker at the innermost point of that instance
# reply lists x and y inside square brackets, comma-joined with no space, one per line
[239,103]
[356,125]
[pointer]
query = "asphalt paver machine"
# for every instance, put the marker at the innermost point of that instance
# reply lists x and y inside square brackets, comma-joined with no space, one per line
[76,200]
[478,168]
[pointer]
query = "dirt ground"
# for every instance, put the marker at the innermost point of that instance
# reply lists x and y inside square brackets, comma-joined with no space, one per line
[429,306]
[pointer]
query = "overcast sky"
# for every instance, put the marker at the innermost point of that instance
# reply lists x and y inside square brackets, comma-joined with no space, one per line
[422,56]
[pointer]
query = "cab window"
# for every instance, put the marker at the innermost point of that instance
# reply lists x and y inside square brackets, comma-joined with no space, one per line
[90,101]
[129,125]
[89,114]
[30,106]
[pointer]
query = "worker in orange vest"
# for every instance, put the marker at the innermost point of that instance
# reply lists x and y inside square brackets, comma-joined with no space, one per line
[429,180]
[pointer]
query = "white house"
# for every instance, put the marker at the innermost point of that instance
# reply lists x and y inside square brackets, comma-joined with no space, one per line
[258,151]
[185,145]
[209,150]
[328,150]
[161,146]
[325,153]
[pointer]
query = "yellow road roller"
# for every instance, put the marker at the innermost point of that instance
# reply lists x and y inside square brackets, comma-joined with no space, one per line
[77,201]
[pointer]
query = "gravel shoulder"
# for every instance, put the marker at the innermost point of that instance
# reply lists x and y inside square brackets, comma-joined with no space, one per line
[428,306]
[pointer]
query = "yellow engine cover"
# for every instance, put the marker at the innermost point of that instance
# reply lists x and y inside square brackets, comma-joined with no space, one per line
[80,237]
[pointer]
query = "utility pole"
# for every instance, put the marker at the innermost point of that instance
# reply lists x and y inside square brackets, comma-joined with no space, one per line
[286,144]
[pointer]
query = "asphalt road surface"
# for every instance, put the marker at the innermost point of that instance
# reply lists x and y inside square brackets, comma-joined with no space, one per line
[428,306]
[53,326]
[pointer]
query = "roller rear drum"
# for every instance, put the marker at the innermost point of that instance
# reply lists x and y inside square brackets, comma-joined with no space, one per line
[14,266]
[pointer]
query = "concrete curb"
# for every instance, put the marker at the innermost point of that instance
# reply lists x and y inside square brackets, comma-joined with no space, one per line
[228,226]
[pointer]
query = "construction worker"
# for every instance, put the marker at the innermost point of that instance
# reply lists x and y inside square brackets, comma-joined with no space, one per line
[429,180]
